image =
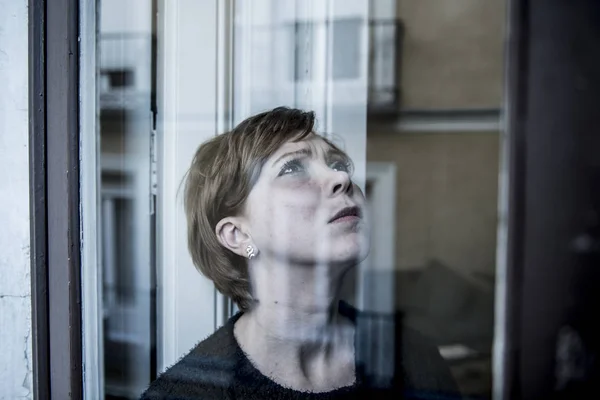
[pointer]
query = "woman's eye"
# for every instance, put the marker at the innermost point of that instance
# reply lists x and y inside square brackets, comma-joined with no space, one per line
[291,167]
[342,166]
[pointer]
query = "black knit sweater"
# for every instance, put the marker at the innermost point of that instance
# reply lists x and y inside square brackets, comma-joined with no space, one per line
[217,368]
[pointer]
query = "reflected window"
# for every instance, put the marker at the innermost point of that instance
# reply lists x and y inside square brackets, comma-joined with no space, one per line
[344,53]
[126,56]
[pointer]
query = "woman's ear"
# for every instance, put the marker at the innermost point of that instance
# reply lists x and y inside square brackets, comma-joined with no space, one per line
[231,236]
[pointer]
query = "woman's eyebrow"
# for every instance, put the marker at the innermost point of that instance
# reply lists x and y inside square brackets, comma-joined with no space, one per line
[306,152]
[333,152]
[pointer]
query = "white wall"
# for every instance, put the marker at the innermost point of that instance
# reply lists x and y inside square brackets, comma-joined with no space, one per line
[15,294]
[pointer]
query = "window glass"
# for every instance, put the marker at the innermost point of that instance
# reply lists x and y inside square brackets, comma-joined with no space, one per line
[409,90]
[442,149]
[125,61]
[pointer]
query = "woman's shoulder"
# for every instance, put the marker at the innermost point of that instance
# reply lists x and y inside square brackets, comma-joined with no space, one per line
[207,371]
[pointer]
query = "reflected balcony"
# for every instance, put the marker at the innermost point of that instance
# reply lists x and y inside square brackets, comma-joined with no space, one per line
[385,64]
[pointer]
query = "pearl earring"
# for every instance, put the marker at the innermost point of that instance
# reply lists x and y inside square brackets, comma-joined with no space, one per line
[250,251]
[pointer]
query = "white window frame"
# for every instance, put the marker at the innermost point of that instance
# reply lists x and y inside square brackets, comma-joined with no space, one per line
[91,277]
[187,105]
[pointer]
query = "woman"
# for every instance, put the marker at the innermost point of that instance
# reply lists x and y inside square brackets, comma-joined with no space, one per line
[275,221]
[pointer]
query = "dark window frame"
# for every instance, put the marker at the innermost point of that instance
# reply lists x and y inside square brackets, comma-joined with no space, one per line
[516,67]
[552,96]
[54,199]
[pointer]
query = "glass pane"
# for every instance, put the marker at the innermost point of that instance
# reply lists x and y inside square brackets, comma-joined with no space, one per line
[125,93]
[410,91]
[433,147]
[345,50]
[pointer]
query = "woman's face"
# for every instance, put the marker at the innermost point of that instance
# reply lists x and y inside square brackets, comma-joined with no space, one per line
[305,209]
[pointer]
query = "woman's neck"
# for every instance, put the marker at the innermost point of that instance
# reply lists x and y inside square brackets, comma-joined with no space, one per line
[294,332]
[293,301]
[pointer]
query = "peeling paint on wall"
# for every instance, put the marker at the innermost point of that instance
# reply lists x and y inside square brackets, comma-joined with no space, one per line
[15,289]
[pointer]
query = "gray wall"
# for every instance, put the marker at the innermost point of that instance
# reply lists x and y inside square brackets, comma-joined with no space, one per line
[453,53]
[15,293]
[446,205]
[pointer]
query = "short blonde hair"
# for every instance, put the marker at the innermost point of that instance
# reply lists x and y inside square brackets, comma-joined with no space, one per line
[223,172]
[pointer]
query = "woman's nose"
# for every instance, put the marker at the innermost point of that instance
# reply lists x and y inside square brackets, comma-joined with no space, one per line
[340,183]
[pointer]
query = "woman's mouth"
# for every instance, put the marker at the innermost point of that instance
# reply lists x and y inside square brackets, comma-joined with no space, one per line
[346,215]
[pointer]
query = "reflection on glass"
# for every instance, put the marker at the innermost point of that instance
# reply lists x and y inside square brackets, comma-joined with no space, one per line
[438,163]
[124,43]
[430,166]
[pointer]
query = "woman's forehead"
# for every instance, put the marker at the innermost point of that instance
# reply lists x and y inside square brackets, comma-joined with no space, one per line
[313,142]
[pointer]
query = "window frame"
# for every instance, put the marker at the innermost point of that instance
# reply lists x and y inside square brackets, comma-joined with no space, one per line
[55,199]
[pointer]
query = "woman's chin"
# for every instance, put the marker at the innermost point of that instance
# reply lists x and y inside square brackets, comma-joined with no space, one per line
[351,255]
[357,248]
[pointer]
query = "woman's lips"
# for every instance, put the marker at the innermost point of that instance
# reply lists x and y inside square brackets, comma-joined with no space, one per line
[346,214]
[347,218]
